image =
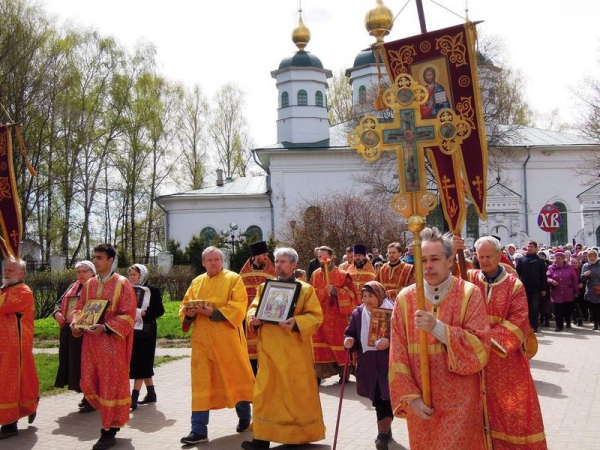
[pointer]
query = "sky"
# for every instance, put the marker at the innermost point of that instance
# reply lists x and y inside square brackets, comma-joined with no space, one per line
[554,43]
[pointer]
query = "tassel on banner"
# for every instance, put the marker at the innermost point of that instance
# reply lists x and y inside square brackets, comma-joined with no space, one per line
[379,103]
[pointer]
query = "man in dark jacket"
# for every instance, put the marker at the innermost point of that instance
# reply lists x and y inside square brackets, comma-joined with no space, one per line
[532,272]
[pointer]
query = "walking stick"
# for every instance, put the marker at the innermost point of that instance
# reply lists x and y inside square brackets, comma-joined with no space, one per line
[337,422]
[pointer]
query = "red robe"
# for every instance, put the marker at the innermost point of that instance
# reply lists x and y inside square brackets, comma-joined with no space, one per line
[252,279]
[395,278]
[19,385]
[105,358]
[455,379]
[361,276]
[328,341]
[512,402]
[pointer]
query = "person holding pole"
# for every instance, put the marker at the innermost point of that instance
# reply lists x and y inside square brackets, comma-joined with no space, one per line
[455,321]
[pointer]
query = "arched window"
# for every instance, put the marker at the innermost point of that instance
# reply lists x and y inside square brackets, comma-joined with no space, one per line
[254,234]
[472,223]
[285,100]
[209,235]
[362,94]
[319,98]
[302,98]
[598,237]
[560,236]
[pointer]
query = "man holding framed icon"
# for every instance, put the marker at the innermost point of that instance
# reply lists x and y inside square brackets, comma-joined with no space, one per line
[287,312]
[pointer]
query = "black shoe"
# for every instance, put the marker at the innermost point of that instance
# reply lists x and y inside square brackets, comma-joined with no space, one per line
[134,399]
[595,328]
[148,398]
[568,325]
[9,430]
[558,329]
[547,324]
[580,323]
[31,417]
[193,438]
[242,426]
[381,443]
[255,444]
[107,440]
[82,403]
[86,409]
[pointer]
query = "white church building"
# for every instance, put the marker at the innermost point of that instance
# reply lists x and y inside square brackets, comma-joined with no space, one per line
[311,157]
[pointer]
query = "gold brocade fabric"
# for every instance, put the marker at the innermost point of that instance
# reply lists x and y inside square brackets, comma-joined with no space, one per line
[18,378]
[287,407]
[457,421]
[361,276]
[396,278]
[252,279]
[512,402]
[105,358]
[221,372]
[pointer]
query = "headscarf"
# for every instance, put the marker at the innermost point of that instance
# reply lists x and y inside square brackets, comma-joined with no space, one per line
[375,288]
[86,263]
[143,273]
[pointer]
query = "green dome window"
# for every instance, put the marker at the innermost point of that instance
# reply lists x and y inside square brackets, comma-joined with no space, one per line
[319,98]
[362,94]
[302,98]
[285,100]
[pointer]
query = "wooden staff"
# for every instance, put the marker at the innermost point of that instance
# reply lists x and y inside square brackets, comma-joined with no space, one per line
[339,414]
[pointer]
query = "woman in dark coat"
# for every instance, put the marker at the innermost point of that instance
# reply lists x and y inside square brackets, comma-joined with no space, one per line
[373,360]
[141,369]
[69,348]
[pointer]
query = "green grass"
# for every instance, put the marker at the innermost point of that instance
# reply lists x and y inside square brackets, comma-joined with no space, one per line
[169,327]
[47,366]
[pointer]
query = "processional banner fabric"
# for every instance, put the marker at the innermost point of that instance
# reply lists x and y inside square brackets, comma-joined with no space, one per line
[10,208]
[443,62]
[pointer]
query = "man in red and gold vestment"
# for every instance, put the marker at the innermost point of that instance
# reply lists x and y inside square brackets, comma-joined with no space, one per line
[458,345]
[257,269]
[19,391]
[349,259]
[106,349]
[513,407]
[338,300]
[395,274]
[361,270]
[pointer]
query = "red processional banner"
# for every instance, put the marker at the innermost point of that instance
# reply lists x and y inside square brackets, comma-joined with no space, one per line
[444,63]
[10,207]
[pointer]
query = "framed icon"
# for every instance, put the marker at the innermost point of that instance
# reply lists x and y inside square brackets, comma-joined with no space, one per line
[278,301]
[90,314]
[379,326]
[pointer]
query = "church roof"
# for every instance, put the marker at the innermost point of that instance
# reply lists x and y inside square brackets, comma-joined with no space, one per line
[364,58]
[301,59]
[243,186]
[536,137]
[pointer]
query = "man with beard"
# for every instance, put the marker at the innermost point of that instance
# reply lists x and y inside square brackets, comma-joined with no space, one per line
[257,269]
[395,274]
[287,407]
[513,408]
[361,270]
[335,291]
[19,394]
[458,344]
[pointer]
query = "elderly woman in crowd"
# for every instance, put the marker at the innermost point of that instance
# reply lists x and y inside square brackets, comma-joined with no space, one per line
[564,286]
[69,349]
[373,359]
[590,277]
[149,309]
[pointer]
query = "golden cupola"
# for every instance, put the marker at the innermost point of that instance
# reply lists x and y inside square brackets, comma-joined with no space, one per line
[379,21]
[301,34]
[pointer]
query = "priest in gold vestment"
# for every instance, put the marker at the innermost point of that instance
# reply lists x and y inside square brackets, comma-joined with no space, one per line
[458,345]
[287,407]
[215,306]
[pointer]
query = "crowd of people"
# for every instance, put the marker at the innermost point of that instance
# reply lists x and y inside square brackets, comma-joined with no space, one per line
[480,392]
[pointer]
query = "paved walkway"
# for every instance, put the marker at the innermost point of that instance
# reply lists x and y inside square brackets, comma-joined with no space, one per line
[566,370]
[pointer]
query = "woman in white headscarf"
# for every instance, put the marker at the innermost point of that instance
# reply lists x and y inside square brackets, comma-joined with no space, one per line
[141,369]
[69,348]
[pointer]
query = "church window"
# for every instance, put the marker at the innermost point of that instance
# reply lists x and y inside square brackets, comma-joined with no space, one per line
[598,237]
[209,235]
[560,236]
[302,98]
[472,223]
[319,98]
[362,94]
[285,100]
[253,234]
